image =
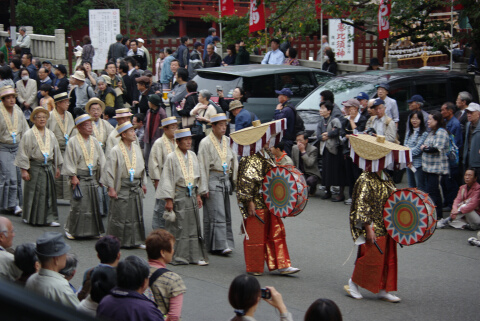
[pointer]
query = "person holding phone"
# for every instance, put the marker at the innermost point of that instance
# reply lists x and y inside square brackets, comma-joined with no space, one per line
[245,294]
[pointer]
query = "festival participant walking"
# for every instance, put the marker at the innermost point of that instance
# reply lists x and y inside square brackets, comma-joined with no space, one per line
[122,116]
[373,271]
[158,155]
[126,180]
[13,126]
[181,188]
[84,161]
[219,163]
[62,126]
[266,239]
[39,157]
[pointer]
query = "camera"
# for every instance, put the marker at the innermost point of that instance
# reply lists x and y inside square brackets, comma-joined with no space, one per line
[266,294]
[219,88]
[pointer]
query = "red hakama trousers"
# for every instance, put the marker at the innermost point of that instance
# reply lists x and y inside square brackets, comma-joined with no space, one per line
[266,242]
[374,271]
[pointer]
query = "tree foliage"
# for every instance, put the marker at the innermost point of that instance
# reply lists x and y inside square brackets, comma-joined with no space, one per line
[47,15]
[140,16]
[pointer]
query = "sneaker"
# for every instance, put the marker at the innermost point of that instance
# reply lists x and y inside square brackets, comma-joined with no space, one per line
[202,263]
[25,221]
[69,236]
[443,222]
[289,270]
[348,202]
[352,290]
[17,211]
[141,247]
[472,240]
[226,251]
[385,296]
[54,224]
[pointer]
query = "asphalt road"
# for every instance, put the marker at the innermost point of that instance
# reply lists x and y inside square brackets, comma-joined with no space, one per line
[437,280]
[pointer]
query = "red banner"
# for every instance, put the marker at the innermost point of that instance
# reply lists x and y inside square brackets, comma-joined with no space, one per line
[227,8]
[318,6]
[257,16]
[384,11]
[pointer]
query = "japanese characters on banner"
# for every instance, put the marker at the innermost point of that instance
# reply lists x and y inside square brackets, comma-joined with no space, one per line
[340,39]
[104,26]
[227,8]
[384,10]
[257,16]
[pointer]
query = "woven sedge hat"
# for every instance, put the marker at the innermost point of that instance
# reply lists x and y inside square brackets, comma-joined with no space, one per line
[7,91]
[374,153]
[250,140]
[82,118]
[181,133]
[39,110]
[93,101]
[168,121]
[122,112]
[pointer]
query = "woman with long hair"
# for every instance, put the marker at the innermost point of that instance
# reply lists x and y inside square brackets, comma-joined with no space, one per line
[434,157]
[414,138]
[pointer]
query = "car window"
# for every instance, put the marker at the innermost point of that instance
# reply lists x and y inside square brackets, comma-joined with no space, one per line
[342,88]
[322,78]
[260,87]
[434,92]
[210,81]
[299,83]
[401,93]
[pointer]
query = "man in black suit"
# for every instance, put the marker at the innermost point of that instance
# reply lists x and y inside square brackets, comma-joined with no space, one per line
[130,82]
[463,100]
[212,59]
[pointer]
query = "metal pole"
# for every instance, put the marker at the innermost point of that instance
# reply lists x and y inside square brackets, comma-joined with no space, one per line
[451,37]
[220,18]
[321,37]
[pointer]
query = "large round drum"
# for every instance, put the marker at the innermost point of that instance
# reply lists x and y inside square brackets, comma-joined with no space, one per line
[410,216]
[285,191]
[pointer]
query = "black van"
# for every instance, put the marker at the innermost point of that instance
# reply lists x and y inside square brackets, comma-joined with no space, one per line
[260,83]
[435,86]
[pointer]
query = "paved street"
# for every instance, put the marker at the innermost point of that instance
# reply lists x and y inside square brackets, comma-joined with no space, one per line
[438,280]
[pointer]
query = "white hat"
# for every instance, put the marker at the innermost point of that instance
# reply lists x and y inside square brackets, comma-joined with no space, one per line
[141,40]
[473,107]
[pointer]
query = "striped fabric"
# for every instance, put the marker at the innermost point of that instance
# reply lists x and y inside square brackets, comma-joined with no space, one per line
[394,160]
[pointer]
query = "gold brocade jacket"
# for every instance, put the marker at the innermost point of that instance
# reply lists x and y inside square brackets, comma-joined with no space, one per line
[369,196]
[251,172]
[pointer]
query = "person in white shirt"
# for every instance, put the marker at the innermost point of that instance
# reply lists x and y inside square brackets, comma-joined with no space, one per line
[274,56]
[390,103]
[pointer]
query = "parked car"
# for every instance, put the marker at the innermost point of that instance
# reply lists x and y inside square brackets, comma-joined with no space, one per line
[260,83]
[435,86]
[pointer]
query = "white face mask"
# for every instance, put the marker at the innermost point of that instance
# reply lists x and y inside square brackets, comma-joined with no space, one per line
[25,78]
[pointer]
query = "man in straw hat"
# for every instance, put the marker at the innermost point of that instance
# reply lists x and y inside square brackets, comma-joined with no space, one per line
[83,92]
[13,126]
[126,180]
[219,163]
[182,185]
[158,155]
[62,126]
[39,158]
[153,125]
[243,117]
[266,240]
[48,282]
[122,116]
[373,271]
[84,162]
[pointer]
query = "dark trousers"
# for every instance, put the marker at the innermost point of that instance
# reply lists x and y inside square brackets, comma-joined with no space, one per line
[288,146]
[352,173]
[312,182]
[432,188]
[450,186]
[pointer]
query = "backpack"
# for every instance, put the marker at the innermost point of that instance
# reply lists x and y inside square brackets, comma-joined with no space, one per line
[299,124]
[452,154]
[149,293]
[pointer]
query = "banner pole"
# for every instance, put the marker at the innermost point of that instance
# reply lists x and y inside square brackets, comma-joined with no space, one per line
[220,18]
[266,29]
[321,36]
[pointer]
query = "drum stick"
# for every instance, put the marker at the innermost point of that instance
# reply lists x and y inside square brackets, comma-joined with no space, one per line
[263,222]
[378,247]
